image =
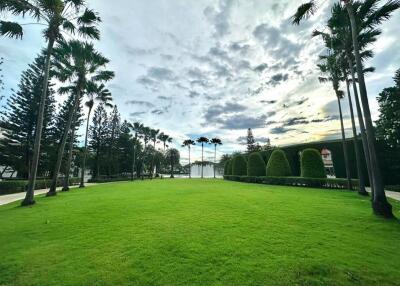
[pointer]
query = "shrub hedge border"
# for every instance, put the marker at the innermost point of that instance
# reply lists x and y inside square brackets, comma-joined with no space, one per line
[18,186]
[323,183]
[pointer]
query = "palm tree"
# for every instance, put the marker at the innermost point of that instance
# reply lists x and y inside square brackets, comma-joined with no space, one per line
[333,72]
[189,143]
[202,141]
[153,137]
[164,138]
[172,155]
[137,127]
[75,125]
[95,93]
[341,38]
[215,141]
[81,65]
[376,15]
[338,40]
[57,17]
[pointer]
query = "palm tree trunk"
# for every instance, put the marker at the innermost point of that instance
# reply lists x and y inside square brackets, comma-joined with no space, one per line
[68,165]
[380,204]
[83,167]
[215,157]
[361,122]
[133,159]
[361,187]
[190,166]
[202,148]
[72,112]
[172,165]
[30,193]
[346,157]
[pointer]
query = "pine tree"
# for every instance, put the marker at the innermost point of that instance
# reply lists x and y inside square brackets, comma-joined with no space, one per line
[124,149]
[98,138]
[20,118]
[113,135]
[388,124]
[251,143]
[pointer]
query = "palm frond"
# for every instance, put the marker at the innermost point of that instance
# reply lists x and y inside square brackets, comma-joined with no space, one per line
[381,14]
[89,17]
[304,11]
[11,29]
[90,32]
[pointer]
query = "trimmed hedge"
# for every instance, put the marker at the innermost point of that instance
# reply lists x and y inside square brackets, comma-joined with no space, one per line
[311,164]
[230,167]
[278,165]
[239,166]
[255,165]
[19,186]
[322,183]
[227,168]
[393,188]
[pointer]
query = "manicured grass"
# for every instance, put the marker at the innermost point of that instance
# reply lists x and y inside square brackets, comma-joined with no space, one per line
[210,232]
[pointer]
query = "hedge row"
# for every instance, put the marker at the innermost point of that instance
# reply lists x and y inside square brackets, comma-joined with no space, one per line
[393,188]
[324,183]
[18,186]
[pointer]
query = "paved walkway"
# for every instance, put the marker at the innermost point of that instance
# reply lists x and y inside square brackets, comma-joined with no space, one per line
[6,199]
[389,194]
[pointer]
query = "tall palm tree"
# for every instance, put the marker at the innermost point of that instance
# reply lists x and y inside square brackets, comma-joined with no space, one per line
[75,125]
[358,12]
[81,66]
[153,137]
[94,93]
[137,128]
[339,41]
[341,38]
[189,143]
[333,72]
[164,138]
[215,141]
[202,140]
[58,16]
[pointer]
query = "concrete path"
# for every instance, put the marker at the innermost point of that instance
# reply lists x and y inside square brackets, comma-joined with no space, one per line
[389,194]
[6,199]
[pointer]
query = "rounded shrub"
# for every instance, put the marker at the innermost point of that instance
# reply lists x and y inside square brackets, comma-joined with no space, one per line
[228,168]
[311,164]
[255,165]
[239,166]
[278,165]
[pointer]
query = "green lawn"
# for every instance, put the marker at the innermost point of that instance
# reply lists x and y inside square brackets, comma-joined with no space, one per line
[198,232]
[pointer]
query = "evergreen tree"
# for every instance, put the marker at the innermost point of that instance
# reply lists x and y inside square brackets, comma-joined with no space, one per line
[114,125]
[124,149]
[20,118]
[388,124]
[251,142]
[97,140]
[60,122]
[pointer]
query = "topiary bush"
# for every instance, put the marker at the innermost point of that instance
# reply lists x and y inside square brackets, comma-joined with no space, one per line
[255,165]
[239,166]
[278,164]
[311,164]
[228,168]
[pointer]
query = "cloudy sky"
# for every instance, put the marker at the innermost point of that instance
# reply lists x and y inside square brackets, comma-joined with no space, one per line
[216,68]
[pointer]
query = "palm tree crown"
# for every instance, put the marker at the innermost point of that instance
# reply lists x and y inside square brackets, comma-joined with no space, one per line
[70,16]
